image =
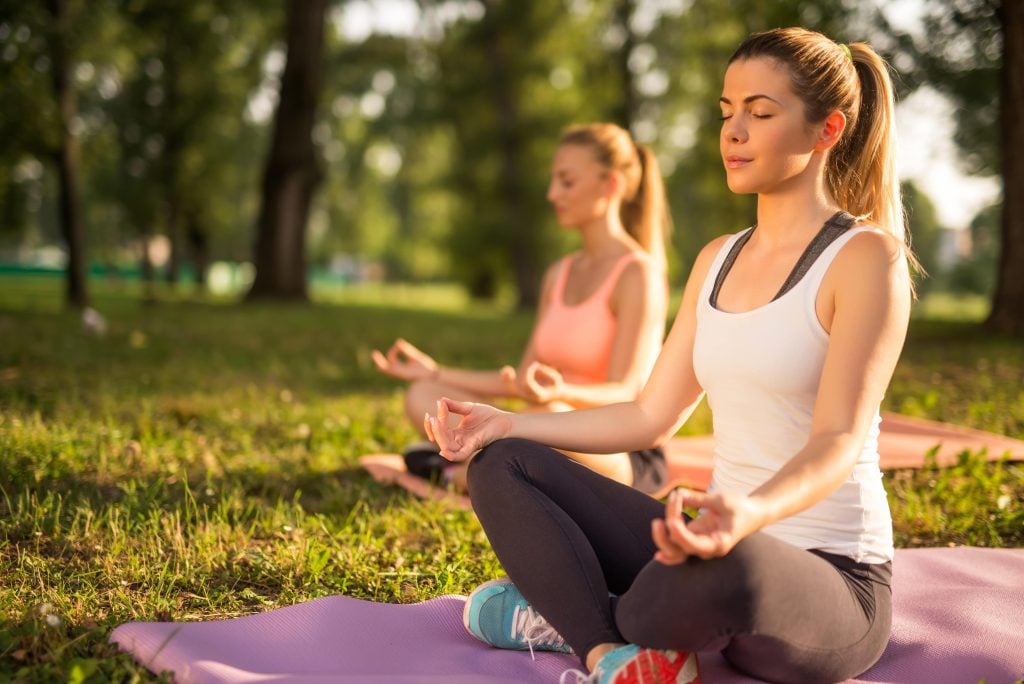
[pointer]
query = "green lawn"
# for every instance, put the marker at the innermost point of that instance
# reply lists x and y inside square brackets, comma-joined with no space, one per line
[199,461]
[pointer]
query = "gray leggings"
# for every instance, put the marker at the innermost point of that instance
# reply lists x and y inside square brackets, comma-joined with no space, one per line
[569,538]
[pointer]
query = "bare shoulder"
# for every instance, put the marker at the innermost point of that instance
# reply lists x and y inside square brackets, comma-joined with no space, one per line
[710,250]
[873,242]
[871,249]
[555,267]
[706,257]
[640,266]
[641,276]
[873,260]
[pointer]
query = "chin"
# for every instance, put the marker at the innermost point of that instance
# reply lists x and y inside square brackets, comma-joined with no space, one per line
[741,188]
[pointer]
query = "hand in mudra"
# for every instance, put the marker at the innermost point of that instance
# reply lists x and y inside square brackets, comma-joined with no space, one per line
[541,383]
[478,426]
[405,362]
[723,520]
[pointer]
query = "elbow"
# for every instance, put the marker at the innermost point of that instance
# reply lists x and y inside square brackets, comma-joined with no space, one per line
[663,436]
[657,429]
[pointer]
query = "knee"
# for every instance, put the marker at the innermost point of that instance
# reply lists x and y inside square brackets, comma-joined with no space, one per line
[647,614]
[494,459]
[498,461]
[690,607]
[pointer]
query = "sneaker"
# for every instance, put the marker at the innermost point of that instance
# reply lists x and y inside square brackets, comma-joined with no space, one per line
[424,459]
[497,614]
[631,664]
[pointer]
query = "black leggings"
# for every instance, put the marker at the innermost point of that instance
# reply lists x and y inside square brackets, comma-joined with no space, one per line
[570,539]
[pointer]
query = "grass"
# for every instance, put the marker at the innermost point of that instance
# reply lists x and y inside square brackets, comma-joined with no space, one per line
[199,461]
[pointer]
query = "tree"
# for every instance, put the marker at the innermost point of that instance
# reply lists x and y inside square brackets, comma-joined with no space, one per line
[179,117]
[509,80]
[971,50]
[925,231]
[1007,314]
[292,171]
[41,115]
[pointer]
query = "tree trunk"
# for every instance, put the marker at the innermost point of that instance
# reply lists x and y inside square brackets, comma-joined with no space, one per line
[173,145]
[67,157]
[199,249]
[292,173]
[626,111]
[1007,315]
[146,269]
[172,220]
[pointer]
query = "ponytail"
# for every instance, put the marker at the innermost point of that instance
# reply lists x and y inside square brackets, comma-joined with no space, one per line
[645,215]
[861,169]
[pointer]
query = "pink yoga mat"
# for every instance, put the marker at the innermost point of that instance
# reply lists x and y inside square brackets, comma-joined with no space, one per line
[959,618]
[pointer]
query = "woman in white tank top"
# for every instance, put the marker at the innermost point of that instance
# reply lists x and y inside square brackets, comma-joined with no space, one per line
[793,329]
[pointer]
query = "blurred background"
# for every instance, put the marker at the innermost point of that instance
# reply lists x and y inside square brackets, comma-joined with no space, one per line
[248,149]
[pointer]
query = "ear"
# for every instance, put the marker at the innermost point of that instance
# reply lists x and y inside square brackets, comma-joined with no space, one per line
[613,184]
[831,131]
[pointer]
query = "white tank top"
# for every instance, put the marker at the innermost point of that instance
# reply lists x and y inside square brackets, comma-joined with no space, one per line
[761,371]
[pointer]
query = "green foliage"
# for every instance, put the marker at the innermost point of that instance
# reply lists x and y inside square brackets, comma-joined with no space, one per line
[199,461]
[973,503]
[436,145]
[505,117]
[925,232]
[958,373]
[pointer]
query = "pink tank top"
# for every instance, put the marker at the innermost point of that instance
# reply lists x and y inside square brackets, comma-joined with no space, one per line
[577,340]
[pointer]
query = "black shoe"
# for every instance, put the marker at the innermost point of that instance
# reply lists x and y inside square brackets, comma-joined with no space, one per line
[649,469]
[423,459]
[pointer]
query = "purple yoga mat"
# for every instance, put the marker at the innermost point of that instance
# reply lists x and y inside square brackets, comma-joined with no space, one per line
[959,618]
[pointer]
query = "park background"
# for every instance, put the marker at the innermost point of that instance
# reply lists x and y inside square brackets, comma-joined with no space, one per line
[253,195]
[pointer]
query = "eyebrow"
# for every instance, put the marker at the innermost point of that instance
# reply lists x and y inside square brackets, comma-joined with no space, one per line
[748,100]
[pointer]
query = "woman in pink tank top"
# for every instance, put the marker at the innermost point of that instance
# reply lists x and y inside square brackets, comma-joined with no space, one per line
[602,310]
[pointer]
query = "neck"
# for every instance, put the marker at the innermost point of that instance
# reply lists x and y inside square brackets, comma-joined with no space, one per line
[605,235]
[795,210]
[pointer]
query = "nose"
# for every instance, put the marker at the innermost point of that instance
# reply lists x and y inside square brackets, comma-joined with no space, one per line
[551,192]
[733,129]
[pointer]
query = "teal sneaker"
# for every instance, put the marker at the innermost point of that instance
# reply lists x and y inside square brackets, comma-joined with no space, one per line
[497,614]
[631,664]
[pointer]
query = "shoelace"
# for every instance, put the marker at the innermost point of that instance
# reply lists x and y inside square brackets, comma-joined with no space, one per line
[580,677]
[534,628]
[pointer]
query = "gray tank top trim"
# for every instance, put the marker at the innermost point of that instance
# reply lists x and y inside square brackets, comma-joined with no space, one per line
[836,225]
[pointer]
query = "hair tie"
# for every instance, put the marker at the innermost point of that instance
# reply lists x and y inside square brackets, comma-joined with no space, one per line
[846,50]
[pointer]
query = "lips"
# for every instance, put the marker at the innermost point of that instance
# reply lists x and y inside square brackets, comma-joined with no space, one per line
[735,162]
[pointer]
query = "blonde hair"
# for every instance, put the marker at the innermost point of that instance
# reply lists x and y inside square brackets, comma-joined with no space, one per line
[860,172]
[644,210]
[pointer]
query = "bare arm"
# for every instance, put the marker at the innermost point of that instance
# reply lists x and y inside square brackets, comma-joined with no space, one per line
[406,362]
[665,403]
